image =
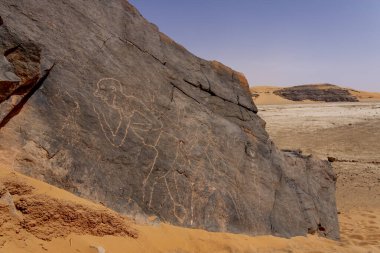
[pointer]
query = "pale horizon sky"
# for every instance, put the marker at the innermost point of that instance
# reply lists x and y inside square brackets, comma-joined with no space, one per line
[279,42]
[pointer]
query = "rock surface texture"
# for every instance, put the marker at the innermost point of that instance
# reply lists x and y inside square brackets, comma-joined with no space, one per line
[94,99]
[317,92]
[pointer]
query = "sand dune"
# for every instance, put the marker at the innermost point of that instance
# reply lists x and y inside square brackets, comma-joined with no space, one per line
[366,96]
[265,96]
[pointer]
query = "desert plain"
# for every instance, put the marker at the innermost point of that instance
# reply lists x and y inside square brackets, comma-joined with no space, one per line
[348,133]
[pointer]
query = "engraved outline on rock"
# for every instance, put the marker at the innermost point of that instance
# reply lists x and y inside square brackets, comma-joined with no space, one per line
[111,133]
[201,138]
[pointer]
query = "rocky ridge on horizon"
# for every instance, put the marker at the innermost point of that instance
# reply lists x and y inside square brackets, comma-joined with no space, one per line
[311,92]
[95,100]
[323,92]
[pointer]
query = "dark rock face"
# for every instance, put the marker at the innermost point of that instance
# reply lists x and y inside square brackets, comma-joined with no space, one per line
[329,93]
[94,99]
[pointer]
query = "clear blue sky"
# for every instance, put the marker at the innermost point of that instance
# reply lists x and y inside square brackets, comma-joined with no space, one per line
[279,42]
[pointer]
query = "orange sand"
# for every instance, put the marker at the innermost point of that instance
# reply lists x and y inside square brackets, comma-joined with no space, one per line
[366,96]
[168,238]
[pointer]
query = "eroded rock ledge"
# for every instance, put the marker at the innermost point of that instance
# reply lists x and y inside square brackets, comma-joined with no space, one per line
[132,119]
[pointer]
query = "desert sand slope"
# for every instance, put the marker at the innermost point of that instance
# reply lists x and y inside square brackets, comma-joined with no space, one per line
[263,95]
[366,96]
[266,95]
[26,228]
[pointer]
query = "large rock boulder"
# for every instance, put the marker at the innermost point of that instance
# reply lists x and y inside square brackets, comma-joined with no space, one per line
[94,99]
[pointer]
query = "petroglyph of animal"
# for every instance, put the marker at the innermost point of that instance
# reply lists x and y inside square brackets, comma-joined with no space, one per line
[125,113]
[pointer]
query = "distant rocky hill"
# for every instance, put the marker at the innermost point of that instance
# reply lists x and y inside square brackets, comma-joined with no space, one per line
[309,93]
[96,100]
[326,93]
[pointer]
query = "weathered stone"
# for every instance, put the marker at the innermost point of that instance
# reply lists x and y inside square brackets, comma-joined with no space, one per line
[132,119]
[317,92]
[6,201]
[9,81]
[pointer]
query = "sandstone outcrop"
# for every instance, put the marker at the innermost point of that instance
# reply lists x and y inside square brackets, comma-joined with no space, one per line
[94,99]
[317,92]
